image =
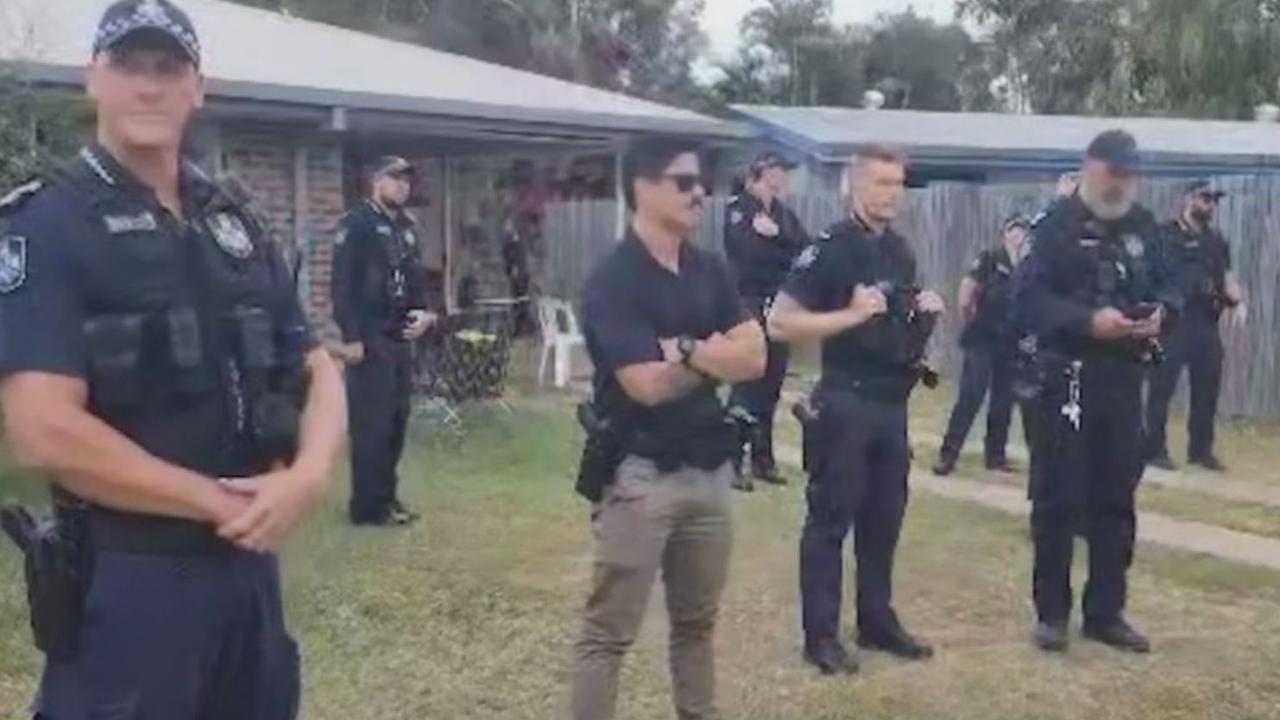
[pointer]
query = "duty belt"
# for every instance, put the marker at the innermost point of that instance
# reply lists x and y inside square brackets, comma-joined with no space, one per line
[115,531]
[884,389]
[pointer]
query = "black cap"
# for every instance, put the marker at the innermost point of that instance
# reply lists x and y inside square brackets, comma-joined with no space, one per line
[393,165]
[1016,220]
[771,159]
[1117,149]
[1200,186]
[126,17]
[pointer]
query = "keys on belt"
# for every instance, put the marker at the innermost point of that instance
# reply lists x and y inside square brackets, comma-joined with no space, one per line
[1072,410]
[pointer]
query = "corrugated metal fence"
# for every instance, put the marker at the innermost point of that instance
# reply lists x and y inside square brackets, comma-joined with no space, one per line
[948,223]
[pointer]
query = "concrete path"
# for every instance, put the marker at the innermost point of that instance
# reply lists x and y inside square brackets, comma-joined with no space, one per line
[1152,527]
[1203,482]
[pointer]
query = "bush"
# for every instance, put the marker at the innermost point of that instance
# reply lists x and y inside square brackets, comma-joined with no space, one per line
[38,128]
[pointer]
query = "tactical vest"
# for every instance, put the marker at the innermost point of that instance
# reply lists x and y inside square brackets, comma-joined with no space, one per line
[185,330]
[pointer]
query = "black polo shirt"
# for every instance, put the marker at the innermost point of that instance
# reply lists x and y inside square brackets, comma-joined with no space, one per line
[847,255]
[1201,260]
[630,302]
[992,270]
[760,264]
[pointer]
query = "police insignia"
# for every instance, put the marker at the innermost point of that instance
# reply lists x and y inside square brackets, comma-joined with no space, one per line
[341,237]
[231,234]
[409,238]
[1133,246]
[735,217]
[806,258]
[977,265]
[13,263]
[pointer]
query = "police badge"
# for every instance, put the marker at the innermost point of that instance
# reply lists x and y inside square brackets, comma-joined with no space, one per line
[13,263]
[806,258]
[1133,245]
[232,236]
[735,217]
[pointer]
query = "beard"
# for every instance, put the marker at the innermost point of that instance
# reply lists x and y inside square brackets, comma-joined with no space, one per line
[1204,217]
[1111,204]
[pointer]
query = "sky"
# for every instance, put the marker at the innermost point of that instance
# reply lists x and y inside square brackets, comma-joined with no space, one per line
[720,21]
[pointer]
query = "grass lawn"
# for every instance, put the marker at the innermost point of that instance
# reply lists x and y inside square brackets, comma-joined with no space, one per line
[471,613]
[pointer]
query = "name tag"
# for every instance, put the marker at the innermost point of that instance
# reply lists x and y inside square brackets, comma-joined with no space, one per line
[120,224]
[384,230]
[1088,242]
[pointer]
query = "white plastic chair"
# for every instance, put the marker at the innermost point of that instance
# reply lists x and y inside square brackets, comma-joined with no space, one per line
[560,334]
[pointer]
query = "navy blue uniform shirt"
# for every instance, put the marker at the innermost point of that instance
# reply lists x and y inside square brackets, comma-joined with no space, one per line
[993,271]
[1202,259]
[376,266]
[630,302]
[99,282]
[825,275]
[761,263]
[1079,263]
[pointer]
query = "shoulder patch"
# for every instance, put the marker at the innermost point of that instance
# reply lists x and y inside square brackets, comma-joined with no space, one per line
[13,263]
[806,258]
[20,195]
[735,216]
[1039,217]
[1133,245]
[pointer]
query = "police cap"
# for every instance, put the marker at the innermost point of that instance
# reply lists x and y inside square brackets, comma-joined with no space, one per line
[1200,186]
[1117,149]
[771,159]
[393,166]
[128,18]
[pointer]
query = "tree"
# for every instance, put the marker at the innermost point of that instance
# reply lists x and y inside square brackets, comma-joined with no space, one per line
[37,130]
[644,47]
[922,65]
[1057,55]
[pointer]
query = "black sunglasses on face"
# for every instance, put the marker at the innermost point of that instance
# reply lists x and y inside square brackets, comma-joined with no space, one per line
[685,182]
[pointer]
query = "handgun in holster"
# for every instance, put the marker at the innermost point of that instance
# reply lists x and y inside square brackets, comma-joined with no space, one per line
[602,453]
[57,568]
[807,413]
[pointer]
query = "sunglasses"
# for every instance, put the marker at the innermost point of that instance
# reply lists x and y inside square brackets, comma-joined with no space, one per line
[685,182]
[1208,197]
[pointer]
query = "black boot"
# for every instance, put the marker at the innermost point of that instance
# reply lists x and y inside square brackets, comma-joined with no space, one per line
[1118,634]
[946,463]
[1051,636]
[763,465]
[830,657]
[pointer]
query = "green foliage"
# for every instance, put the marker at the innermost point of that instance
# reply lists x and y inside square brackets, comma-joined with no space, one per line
[793,54]
[643,47]
[1195,58]
[36,130]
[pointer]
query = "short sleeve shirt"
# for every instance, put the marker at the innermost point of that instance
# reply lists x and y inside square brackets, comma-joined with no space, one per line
[824,278]
[630,302]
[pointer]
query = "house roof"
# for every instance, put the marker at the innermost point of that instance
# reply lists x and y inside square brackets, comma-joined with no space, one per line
[1029,142]
[259,56]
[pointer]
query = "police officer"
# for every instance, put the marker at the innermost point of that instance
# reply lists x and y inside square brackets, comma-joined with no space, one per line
[151,344]
[664,327]
[762,238]
[988,341]
[1204,261]
[855,291]
[380,305]
[1095,293]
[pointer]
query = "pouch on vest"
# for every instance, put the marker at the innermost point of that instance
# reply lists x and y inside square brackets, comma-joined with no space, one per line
[115,350]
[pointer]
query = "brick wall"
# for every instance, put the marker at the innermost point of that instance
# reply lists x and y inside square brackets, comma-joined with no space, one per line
[325,206]
[264,157]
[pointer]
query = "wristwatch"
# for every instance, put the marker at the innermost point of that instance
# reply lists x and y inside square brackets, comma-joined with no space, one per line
[686,347]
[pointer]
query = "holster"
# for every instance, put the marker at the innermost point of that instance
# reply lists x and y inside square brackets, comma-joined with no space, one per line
[57,567]
[602,453]
[807,413]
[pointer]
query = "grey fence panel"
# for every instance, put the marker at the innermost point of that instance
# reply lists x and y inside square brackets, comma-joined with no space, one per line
[948,223]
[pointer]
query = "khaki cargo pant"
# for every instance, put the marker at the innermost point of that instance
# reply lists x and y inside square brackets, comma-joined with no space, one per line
[679,522]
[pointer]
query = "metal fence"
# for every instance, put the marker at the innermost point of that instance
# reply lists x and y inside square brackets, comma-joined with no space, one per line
[948,223]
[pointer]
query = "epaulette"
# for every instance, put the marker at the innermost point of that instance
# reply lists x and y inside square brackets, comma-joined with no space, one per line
[824,236]
[20,195]
[1038,218]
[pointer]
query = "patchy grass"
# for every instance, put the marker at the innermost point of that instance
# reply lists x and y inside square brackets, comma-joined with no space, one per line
[471,613]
